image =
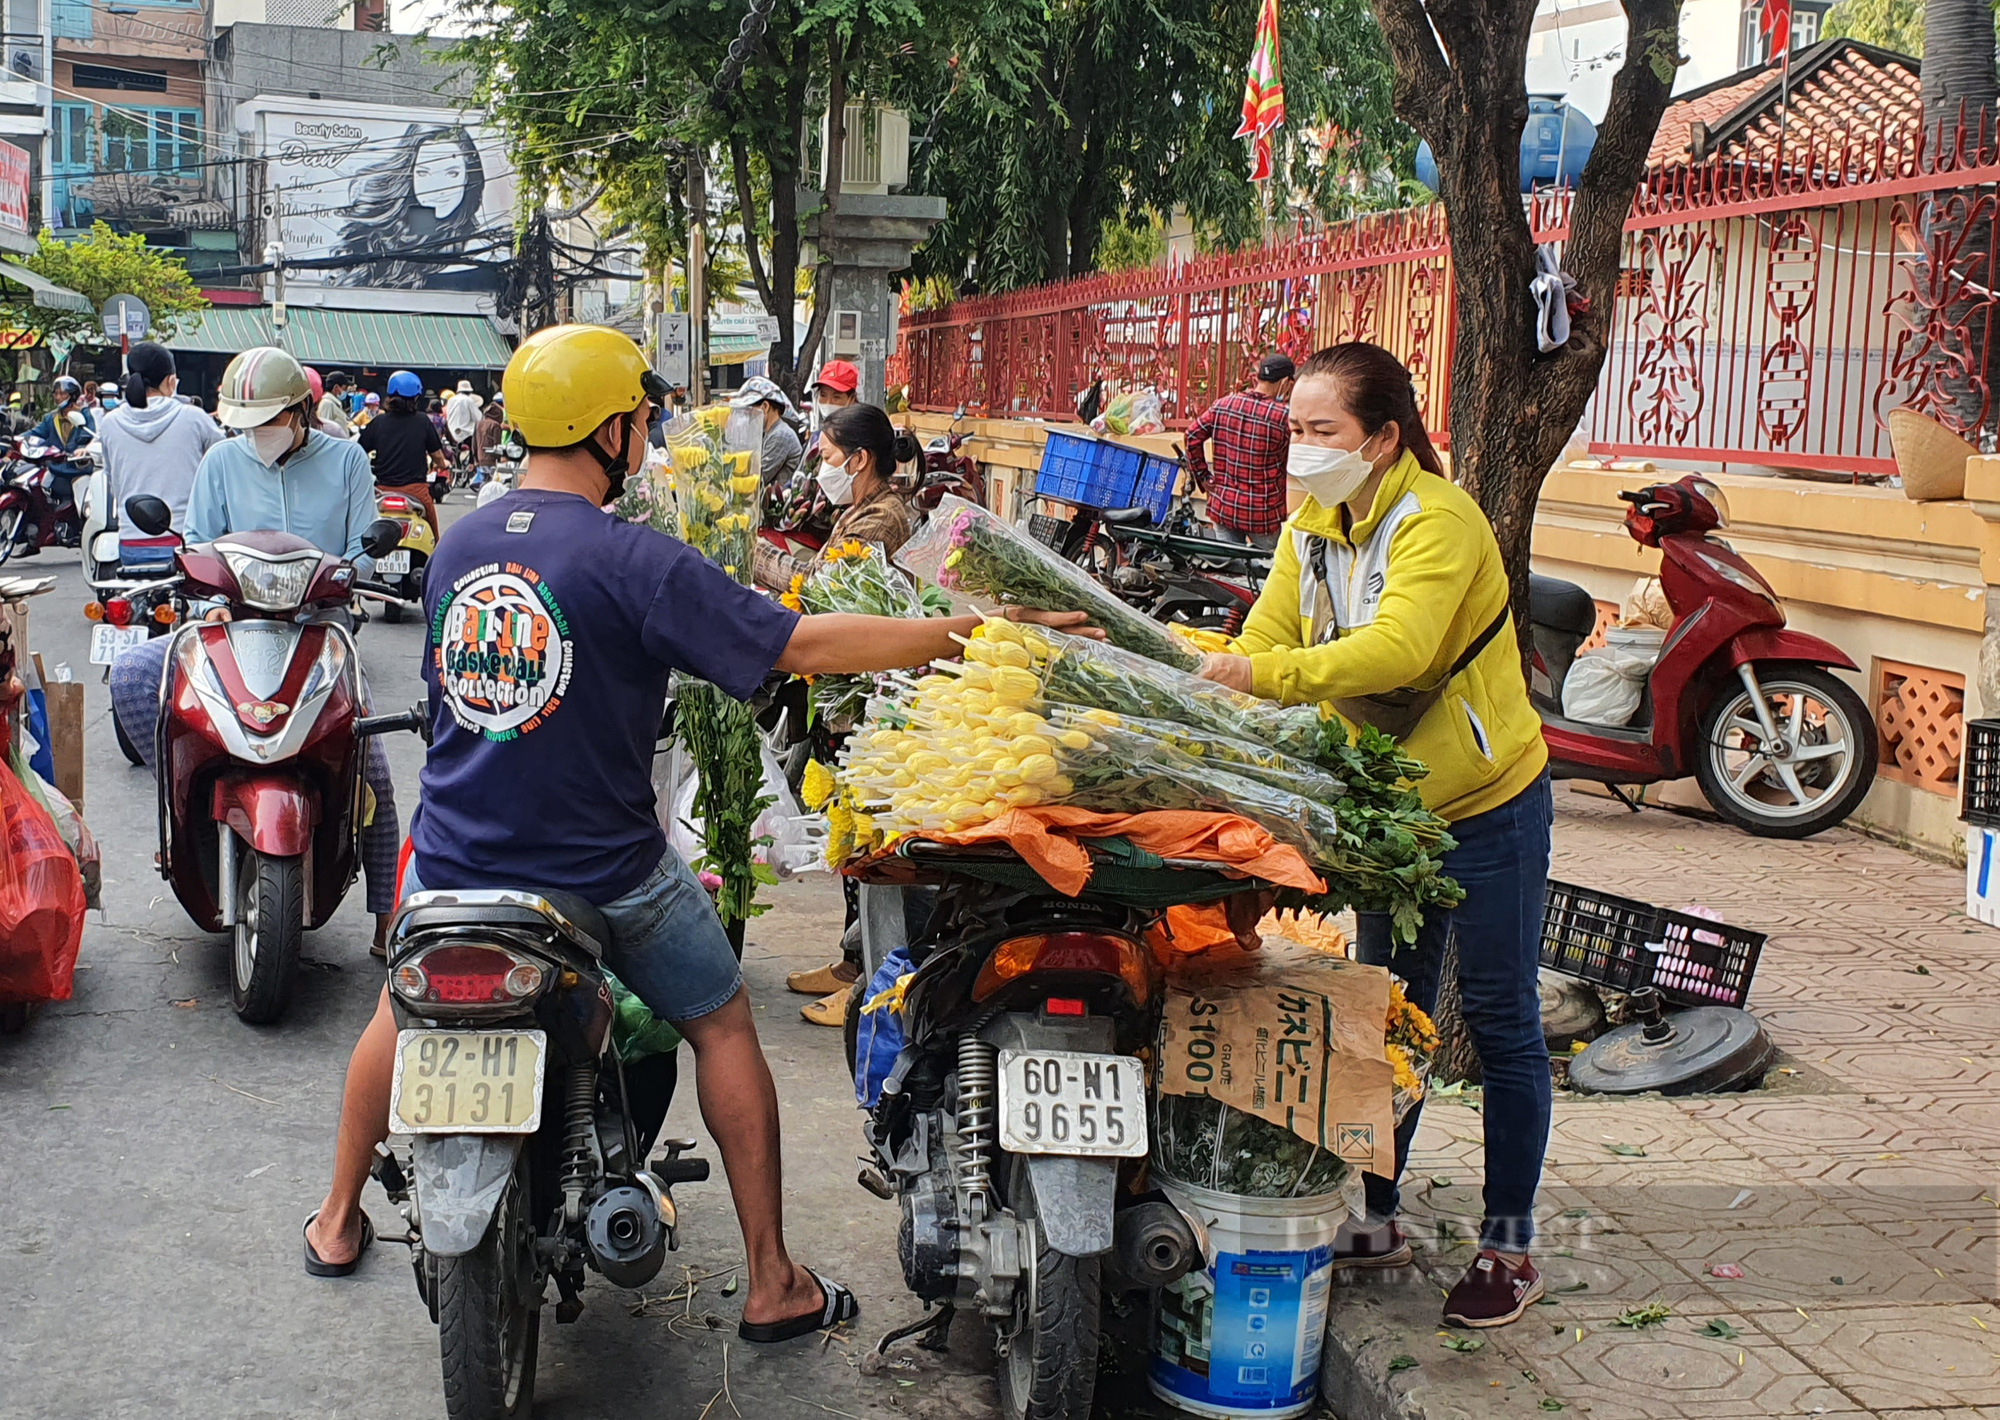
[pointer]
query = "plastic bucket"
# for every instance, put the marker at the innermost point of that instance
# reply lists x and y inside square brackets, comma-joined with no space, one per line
[1242,1336]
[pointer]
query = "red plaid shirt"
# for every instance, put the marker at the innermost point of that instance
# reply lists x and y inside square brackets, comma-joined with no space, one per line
[1247,489]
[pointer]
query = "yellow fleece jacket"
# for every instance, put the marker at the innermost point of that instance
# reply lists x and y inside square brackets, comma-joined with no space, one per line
[1442,585]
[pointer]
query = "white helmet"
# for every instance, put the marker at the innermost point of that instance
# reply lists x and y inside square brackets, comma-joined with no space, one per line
[259,385]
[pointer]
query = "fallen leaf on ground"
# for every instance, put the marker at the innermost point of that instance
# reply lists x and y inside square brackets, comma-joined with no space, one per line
[1441,1182]
[1651,1314]
[1626,1151]
[1401,1363]
[1466,1344]
[1572,1287]
[1576,1212]
[1720,1330]
[1528,1375]
[729,1287]
[1549,1402]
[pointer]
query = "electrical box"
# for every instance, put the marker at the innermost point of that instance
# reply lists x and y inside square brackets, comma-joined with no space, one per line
[846,334]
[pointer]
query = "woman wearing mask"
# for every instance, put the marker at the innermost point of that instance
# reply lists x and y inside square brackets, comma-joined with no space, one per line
[153,443]
[1388,600]
[859,452]
[282,475]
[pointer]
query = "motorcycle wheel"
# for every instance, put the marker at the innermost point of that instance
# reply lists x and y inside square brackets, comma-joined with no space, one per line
[489,1316]
[1826,765]
[125,745]
[270,921]
[392,612]
[10,532]
[1049,1369]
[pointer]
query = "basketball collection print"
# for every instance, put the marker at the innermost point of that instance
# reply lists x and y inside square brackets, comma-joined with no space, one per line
[503,652]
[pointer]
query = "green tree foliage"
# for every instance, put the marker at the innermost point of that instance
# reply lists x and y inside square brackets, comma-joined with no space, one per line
[1892,24]
[1039,127]
[99,265]
[1131,246]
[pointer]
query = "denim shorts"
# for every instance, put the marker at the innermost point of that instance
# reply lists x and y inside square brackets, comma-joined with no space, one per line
[667,945]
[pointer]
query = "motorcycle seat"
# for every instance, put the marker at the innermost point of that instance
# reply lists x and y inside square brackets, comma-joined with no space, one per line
[1561,606]
[432,910]
[1126,517]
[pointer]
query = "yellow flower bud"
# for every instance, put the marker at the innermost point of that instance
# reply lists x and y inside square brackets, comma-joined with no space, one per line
[1039,768]
[1074,739]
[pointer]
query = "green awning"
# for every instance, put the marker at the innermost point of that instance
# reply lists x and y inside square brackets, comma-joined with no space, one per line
[47,295]
[380,338]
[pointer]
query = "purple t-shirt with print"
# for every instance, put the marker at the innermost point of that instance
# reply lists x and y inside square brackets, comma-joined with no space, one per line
[553,630]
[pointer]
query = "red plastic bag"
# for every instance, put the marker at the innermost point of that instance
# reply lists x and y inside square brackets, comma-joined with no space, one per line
[41,900]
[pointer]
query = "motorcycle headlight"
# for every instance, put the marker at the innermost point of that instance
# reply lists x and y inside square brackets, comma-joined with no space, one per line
[269,585]
[330,666]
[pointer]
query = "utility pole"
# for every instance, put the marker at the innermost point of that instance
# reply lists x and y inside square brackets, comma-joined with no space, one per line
[697,281]
[274,253]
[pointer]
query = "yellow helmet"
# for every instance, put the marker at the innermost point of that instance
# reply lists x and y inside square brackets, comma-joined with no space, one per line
[566,380]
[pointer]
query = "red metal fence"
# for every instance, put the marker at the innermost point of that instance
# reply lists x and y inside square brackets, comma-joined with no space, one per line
[1775,302]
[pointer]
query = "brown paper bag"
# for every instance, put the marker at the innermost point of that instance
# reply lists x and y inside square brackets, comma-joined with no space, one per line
[1291,1035]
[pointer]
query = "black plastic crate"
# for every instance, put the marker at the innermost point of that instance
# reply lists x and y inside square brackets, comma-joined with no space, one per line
[1048,530]
[1979,774]
[1624,944]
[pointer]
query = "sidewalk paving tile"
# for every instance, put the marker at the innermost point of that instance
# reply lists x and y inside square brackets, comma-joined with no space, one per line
[1889,1357]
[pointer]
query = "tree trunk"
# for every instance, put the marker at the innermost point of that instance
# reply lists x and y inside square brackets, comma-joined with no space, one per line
[785,169]
[838,57]
[1055,207]
[1961,90]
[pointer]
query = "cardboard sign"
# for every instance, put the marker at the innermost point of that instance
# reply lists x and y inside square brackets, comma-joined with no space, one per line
[1293,1036]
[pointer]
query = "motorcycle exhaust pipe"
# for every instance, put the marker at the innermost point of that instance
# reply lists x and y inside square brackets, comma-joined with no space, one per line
[627,1240]
[1152,1247]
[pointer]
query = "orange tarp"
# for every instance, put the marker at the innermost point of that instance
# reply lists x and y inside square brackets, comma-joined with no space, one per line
[1046,838]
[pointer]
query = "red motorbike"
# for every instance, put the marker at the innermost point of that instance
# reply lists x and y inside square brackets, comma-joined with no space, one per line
[31,517]
[259,753]
[1781,746]
[946,470]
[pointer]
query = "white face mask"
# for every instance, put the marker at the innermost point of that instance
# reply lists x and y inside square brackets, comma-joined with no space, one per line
[837,483]
[271,442]
[1330,476]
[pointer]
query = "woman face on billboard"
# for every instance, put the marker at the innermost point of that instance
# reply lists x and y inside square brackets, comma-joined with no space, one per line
[438,179]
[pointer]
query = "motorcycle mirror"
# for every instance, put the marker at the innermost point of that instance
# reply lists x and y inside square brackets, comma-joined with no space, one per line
[148,514]
[382,537]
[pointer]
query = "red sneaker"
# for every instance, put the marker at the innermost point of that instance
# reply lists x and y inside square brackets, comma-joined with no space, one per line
[1358,1246]
[1493,1292]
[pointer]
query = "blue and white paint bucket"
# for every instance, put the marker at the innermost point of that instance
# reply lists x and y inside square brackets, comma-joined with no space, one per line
[1242,1336]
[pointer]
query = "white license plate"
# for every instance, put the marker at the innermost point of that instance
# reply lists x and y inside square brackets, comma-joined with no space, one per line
[1064,1102]
[106,641]
[392,564]
[467,1082]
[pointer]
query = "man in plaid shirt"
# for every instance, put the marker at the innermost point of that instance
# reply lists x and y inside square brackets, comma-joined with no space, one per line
[1246,490]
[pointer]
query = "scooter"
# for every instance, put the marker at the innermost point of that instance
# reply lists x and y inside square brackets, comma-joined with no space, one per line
[530,1137]
[261,796]
[403,567]
[1781,746]
[946,470]
[31,518]
[1013,1126]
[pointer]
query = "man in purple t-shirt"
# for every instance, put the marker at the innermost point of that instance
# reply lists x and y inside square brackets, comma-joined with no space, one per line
[542,776]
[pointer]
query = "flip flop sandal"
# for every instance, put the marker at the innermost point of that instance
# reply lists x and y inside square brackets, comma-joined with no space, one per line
[316,1266]
[840,1305]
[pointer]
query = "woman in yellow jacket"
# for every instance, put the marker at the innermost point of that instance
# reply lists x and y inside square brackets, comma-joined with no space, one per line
[1388,600]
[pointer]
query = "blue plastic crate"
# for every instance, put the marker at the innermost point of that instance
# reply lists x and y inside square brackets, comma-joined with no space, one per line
[1116,477]
[1068,463]
[1159,476]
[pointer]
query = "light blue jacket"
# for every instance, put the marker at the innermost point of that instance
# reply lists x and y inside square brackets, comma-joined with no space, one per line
[324,493]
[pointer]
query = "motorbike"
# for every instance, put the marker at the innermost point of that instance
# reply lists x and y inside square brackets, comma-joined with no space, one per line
[1780,745]
[258,747]
[31,517]
[1013,1124]
[529,1136]
[402,568]
[946,470]
[1179,578]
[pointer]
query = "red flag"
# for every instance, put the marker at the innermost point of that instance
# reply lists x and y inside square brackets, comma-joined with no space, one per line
[1263,93]
[1776,22]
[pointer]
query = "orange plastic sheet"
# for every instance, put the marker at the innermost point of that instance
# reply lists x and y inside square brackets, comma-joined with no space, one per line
[1047,840]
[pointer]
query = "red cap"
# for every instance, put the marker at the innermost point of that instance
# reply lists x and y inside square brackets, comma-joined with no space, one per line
[838,375]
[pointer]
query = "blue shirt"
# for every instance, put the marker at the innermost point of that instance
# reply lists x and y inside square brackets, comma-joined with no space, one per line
[56,429]
[324,493]
[553,631]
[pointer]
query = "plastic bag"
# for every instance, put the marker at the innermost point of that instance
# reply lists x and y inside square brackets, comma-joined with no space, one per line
[1136,412]
[1647,606]
[69,823]
[635,1030]
[718,488]
[1604,689]
[648,498]
[879,1040]
[987,563]
[41,900]
[793,841]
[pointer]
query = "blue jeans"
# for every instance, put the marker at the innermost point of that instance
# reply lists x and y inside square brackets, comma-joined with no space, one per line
[667,945]
[1502,862]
